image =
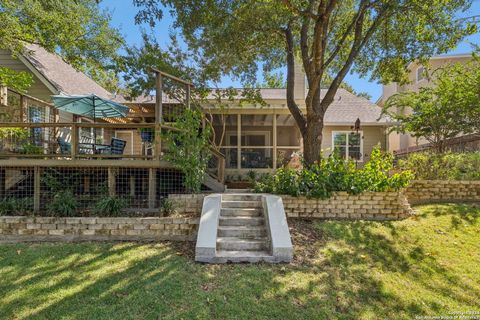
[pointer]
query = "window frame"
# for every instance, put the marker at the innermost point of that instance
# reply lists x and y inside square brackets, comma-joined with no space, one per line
[348,132]
[422,69]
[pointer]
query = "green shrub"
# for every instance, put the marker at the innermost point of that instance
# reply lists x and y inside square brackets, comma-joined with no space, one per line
[448,166]
[63,204]
[110,206]
[167,207]
[14,206]
[333,174]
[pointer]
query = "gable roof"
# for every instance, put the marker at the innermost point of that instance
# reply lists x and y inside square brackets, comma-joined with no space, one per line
[60,75]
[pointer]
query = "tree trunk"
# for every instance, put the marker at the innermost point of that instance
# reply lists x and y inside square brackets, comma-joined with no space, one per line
[312,140]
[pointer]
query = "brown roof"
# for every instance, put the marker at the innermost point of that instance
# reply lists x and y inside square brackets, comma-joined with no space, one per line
[345,109]
[62,75]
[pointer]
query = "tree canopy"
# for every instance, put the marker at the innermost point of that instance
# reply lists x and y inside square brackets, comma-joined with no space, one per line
[78,30]
[370,37]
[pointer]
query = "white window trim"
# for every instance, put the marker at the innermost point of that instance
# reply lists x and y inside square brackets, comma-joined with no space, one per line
[416,74]
[360,132]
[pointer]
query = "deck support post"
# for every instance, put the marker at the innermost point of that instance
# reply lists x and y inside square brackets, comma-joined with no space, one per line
[3,179]
[111,182]
[36,189]
[152,188]
[132,186]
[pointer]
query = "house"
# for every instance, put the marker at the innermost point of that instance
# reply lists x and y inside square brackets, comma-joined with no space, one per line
[417,79]
[247,136]
[263,138]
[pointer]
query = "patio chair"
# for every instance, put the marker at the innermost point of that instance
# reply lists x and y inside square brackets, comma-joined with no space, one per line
[117,147]
[65,147]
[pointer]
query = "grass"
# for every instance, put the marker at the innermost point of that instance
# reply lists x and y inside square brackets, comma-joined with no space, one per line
[427,265]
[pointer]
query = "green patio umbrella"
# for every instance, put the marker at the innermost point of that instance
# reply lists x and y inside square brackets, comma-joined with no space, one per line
[91,106]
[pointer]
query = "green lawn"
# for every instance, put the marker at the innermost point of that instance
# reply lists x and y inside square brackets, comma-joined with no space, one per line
[427,265]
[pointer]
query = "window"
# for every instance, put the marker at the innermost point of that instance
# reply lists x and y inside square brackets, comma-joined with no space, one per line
[420,74]
[348,144]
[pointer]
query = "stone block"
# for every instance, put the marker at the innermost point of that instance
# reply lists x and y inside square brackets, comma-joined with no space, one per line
[56,232]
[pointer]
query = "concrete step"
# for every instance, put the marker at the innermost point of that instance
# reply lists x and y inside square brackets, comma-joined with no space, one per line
[238,244]
[244,232]
[228,190]
[241,204]
[244,212]
[241,197]
[243,256]
[241,221]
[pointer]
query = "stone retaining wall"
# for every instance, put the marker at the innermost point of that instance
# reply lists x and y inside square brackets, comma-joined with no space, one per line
[367,206]
[20,228]
[429,191]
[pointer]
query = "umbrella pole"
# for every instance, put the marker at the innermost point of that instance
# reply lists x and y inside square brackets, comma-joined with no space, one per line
[94,129]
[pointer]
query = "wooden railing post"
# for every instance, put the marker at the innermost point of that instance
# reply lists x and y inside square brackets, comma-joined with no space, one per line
[158,115]
[74,141]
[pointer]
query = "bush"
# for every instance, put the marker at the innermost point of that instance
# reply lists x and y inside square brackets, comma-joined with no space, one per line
[110,206]
[167,207]
[63,204]
[333,174]
[447,166]
[14,206]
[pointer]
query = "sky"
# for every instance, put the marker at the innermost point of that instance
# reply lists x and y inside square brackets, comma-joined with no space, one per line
[123,13]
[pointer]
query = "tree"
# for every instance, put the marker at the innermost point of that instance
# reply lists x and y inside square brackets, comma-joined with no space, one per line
[76,29]
[328,36]
[447,108]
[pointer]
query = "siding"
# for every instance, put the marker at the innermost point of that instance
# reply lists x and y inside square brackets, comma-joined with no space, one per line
[372,136]
[38,89]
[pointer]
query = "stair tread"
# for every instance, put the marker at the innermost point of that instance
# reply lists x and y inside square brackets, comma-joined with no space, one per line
[242,254]
[242,227]
[237,239]
[240,218]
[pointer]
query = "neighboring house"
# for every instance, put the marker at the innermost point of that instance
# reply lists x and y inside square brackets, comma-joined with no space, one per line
[417,79]
[252,137]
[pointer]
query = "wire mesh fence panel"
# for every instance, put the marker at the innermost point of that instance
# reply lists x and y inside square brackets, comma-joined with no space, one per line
[83,187]
[16,190]
[132,184]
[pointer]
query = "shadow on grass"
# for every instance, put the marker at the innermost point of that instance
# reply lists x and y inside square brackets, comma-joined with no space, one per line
[335,275]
